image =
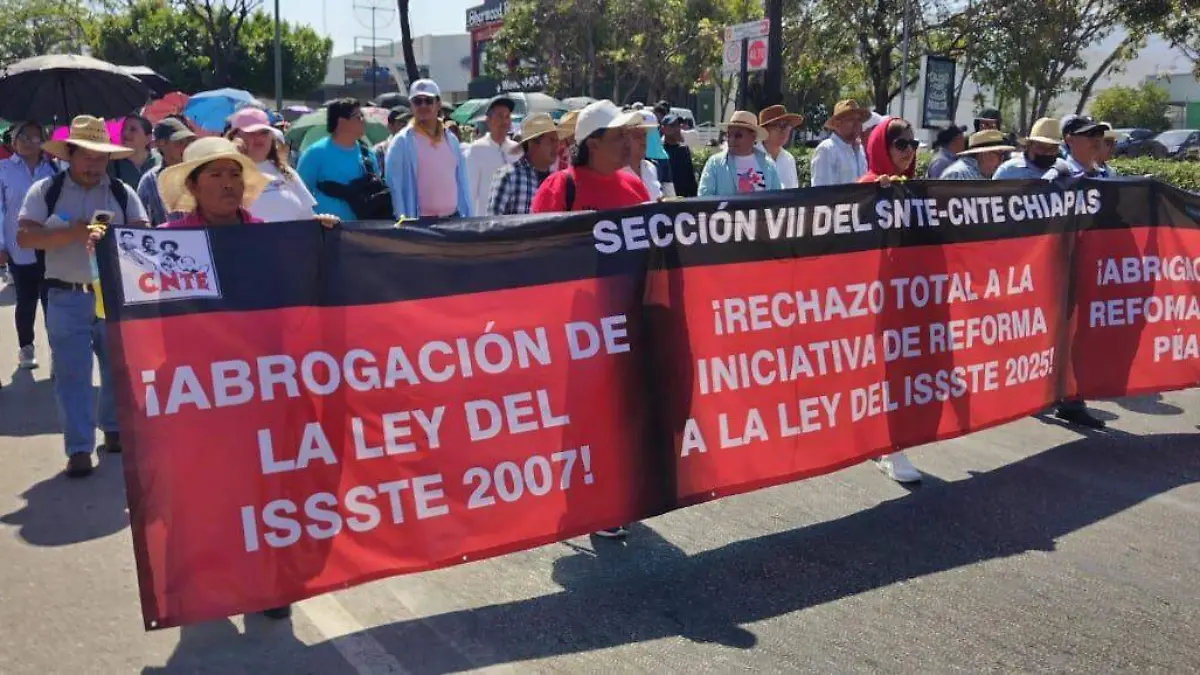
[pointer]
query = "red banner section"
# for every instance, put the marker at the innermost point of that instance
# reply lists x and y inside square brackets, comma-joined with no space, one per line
[797,368]
[307,410]
[287,453]
[1137,323]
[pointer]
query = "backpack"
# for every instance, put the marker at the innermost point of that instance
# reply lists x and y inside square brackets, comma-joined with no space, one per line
[114,185]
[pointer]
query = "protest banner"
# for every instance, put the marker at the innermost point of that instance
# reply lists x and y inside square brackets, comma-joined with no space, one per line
[306,410]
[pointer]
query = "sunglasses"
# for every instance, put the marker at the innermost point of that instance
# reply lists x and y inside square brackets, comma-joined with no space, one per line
[903,144]
[422,100]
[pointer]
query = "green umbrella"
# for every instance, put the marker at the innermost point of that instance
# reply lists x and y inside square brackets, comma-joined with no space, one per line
[468,109]
[311,128]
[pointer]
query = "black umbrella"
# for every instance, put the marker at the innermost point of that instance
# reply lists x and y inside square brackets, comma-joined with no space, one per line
[159,86]
[391,100]
[54,89]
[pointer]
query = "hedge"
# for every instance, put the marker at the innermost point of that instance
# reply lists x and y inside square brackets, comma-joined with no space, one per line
[1184,175]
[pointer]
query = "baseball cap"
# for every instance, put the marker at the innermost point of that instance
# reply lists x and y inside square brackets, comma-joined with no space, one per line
[424,88]
[1082,125]
[946,136]
[250,120]
[172,129]
[502,100]
[671,118]
[396,113]
[603,115]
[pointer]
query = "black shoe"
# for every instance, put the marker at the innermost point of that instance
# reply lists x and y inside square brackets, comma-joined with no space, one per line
[112,442]
[79,465]
[1079,416]
[613,533]
[278,613]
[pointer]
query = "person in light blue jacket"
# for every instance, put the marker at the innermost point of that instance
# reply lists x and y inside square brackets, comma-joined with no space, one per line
[743,168]
[425,167]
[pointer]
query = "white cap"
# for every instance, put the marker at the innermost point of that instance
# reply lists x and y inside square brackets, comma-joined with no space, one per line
[424,88]
[872,121]
[606,115]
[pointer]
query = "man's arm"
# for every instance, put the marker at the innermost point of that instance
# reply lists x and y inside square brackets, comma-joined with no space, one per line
[32,234]
[822,166]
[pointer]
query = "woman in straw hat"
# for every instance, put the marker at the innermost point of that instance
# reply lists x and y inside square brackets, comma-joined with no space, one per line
[840,159]
[988,150]
[744,167]
[214,185]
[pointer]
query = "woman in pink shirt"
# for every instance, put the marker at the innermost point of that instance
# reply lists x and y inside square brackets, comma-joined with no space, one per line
[213,186]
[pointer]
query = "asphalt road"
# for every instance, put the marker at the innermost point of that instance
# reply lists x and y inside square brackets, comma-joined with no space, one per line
[1031,547]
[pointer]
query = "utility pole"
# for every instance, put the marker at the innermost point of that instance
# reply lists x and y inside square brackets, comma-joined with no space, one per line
[375,7]
[904,66]
[278,61]
[774,88]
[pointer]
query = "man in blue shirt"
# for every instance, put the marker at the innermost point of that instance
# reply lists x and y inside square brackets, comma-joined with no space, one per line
[337,158]
[1083,137]
[948,143]
[1041,153]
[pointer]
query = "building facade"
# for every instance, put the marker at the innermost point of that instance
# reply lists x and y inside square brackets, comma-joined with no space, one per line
[444,58]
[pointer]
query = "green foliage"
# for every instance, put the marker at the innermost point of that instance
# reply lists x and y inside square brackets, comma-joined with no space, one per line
[176,45]
[1184,175]
[1141,107]
[35,27]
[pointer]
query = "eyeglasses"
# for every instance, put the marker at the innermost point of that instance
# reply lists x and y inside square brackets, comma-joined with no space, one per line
[903,144]
[422,100]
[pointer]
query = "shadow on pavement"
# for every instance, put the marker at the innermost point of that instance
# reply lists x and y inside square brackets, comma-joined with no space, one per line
[8,293]
[1151,404]
[28,406]
[60,511]
[647,589]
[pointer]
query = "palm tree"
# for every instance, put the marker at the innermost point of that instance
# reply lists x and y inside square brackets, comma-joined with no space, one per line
[406,43]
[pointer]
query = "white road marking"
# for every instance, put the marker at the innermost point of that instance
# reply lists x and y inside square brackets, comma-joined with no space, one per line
[349,637]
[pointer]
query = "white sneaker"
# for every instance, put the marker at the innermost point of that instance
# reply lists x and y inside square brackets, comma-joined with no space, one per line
[898,468]
[27,358]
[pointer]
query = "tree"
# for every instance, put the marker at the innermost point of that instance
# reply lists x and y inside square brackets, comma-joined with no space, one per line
[1138,107]
[406,43]
[35,27]
[222,21]
[172,41]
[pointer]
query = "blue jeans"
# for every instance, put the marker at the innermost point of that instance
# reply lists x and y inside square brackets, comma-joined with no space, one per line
[75,334]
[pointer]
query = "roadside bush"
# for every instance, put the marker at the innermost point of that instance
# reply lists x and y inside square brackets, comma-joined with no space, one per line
[1185,175]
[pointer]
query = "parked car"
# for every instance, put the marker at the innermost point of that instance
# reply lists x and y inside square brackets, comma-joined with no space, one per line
[1132,142]
[1177,144]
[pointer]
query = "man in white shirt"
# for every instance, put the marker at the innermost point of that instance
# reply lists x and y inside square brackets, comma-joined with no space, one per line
[779,124]
[492,152]
[840,159]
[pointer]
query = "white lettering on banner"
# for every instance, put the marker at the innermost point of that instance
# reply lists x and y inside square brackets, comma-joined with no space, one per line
[1176,347]
[766,367]
[1139,310]
[988,330]
[231,383]
[740,225]
[1111,271]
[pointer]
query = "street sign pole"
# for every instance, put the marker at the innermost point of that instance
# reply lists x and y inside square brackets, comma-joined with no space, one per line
[774,81]
[743,78]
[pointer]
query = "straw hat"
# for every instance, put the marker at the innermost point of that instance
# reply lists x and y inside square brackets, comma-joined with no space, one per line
[1046,130]
[89,133]
[537,124]
[172,182]
[745,119]
[566,125]
[988,140]
[848,108]
[778,113]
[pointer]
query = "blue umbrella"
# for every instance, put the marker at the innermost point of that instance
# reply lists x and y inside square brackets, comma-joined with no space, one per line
[210,109]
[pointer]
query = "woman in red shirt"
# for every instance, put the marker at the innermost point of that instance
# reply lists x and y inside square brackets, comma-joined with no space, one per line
[595,180]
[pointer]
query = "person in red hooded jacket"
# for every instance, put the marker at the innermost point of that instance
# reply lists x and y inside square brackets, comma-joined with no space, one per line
[891,152]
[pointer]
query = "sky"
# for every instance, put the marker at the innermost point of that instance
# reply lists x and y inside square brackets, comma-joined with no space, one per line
[338,18]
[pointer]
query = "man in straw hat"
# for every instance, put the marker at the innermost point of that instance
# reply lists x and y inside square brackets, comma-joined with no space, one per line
[780,124]
[840,159]
[513,185]
[58,217]
[987,151]
[744,167]
[1040,155]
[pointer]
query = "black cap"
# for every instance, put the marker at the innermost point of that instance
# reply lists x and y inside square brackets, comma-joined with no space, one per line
[1082,125]
[662,108]
[504,101]
[946,136]
[396,113]
[989,114]
[671,118]
[171,129]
